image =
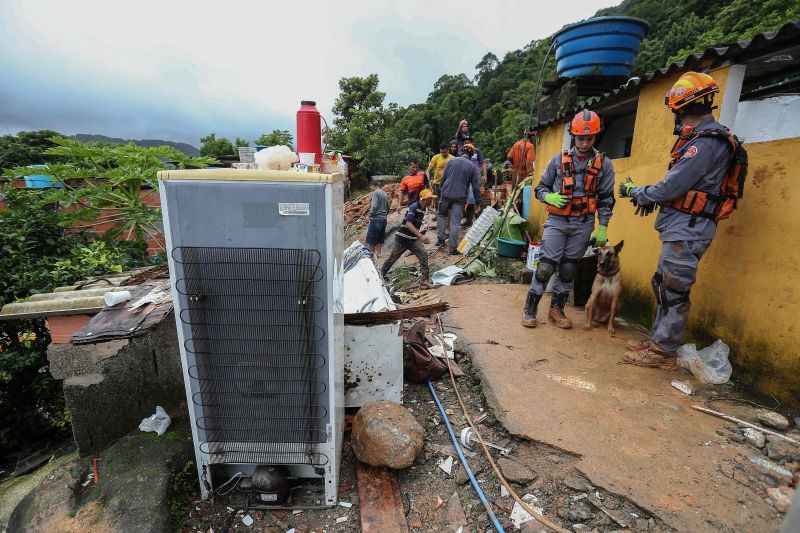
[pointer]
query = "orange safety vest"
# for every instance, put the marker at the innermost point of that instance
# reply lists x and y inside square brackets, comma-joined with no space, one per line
[578,205]
[696,202]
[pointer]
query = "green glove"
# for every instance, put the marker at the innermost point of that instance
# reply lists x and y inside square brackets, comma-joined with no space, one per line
[625,187]
[555,199]
[599,236]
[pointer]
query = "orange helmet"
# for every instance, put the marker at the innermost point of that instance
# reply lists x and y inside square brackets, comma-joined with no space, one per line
[585,123]
[690,86]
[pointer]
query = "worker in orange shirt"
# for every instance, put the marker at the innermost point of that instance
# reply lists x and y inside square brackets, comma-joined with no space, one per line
[522,156]
[411,185]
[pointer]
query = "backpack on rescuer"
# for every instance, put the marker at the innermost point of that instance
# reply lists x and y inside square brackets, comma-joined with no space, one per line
[578,205]
[696,202]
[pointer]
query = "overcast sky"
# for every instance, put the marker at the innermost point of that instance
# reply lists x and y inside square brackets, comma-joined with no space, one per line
[177,70]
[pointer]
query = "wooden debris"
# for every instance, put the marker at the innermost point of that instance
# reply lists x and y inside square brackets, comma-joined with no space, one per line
[380,317]
[380,502]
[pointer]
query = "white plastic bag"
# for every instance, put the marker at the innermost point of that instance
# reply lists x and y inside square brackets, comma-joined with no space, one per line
[275,158]
[709,365]
[158,422]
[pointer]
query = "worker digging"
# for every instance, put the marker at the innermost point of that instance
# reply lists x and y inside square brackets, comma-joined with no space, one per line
[410,238]
[577,186]
[704,181]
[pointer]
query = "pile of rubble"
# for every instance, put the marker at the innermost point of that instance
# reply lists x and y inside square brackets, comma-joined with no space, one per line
[777,456]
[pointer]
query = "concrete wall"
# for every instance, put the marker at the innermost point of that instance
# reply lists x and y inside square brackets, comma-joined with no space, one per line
[748,289]
[109,387]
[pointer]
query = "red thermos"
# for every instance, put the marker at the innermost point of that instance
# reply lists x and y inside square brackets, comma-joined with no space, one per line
[309,134]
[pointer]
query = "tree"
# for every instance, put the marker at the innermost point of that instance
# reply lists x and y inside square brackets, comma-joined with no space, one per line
[356,95]
[277,137]
[25,148]
[213,147]
[241,142]
[112,179]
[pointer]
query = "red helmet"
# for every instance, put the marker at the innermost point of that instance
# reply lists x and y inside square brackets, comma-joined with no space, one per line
[585,123]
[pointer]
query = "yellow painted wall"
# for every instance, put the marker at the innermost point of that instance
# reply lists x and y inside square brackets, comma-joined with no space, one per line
[748,288]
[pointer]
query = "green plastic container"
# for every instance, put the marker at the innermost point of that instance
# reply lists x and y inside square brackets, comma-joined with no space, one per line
[510,247]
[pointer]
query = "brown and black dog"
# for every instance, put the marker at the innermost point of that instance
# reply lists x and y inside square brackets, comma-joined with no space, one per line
[603,304]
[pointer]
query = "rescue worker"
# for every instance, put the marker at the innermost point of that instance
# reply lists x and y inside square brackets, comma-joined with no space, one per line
[410,237]
[576,186]
[460,175]
[701,158]
[522,156]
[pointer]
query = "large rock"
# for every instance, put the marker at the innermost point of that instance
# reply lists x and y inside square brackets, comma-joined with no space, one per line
[386,434]
[132,496]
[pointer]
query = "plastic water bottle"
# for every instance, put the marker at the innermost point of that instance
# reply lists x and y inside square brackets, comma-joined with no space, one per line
[478,229]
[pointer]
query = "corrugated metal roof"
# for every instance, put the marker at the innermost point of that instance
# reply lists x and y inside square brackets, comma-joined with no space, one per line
[761,44]
[84,298]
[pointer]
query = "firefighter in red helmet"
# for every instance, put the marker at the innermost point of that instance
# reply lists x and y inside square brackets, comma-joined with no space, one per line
[577,186]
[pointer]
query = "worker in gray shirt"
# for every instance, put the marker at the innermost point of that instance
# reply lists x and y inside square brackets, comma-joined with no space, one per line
[459,174]
[576,186]
[378,211]
[696,192]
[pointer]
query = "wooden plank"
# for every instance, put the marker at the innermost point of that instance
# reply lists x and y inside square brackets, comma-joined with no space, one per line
[380,501]
[364,319]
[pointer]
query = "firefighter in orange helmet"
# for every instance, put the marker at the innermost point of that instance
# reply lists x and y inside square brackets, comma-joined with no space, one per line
[693,195]
[577,186]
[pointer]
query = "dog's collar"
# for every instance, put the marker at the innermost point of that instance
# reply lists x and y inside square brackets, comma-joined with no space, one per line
[609,274]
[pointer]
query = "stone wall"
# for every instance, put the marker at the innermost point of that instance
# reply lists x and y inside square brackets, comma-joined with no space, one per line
[109,387]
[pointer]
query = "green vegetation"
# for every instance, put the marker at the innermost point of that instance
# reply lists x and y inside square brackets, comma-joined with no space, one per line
[277,137]
[25,148]
[212,147]
[102,182]
[497,99]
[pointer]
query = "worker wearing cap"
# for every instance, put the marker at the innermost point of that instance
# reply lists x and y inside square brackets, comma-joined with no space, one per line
[576,187]
[409,237]
[689,197]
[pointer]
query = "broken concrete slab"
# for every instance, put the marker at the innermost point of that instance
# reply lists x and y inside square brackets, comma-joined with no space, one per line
[615,419]
[516,472]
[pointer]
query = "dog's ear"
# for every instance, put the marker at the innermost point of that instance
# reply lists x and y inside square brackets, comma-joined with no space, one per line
[618,247]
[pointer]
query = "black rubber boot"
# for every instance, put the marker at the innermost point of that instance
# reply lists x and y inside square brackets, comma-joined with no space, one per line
[529,313]
[557,314]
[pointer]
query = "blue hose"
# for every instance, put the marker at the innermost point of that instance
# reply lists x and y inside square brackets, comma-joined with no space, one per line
[463,460]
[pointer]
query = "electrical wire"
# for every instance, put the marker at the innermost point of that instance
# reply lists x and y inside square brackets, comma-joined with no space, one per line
[540,517]
[467,469]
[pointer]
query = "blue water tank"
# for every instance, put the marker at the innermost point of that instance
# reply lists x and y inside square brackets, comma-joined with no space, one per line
[602,46]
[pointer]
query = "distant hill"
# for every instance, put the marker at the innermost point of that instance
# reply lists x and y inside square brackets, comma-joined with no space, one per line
[186,148]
